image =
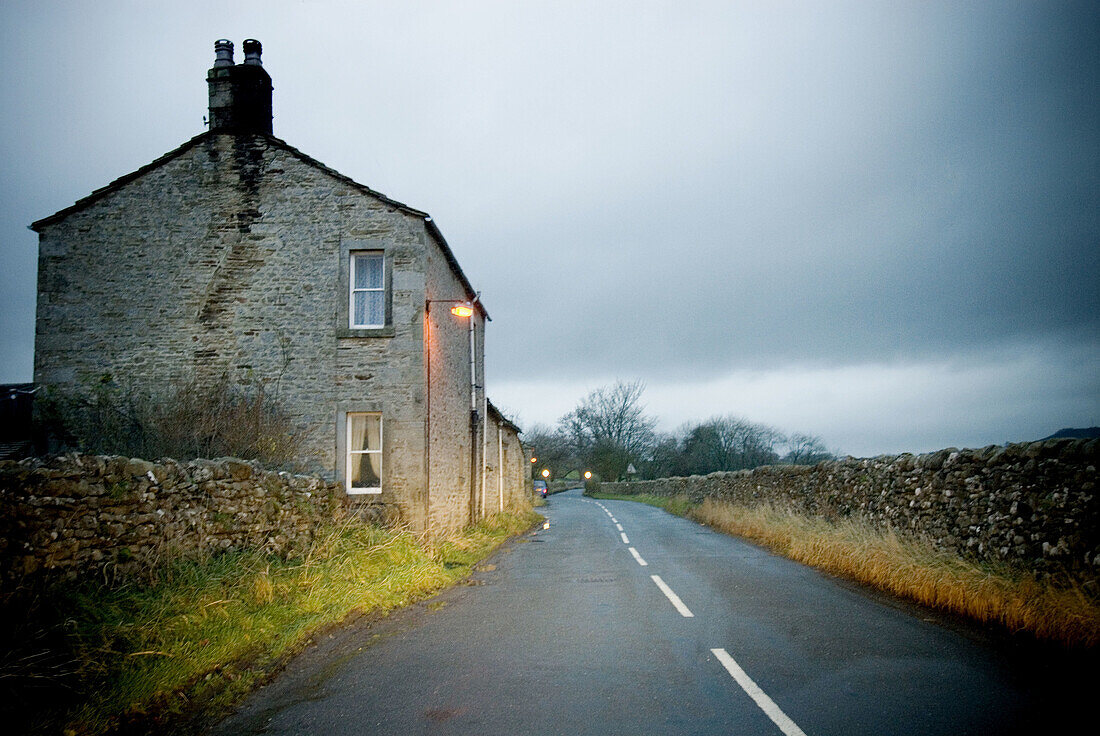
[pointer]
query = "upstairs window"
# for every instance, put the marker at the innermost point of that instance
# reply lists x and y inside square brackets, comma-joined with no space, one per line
[367,307]
[364,461]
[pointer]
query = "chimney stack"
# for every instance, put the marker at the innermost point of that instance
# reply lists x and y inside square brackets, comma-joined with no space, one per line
[240,94]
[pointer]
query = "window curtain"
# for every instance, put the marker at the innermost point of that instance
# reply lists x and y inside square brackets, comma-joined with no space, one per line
[357,434]
[368,290]
[374,444]
[365,450]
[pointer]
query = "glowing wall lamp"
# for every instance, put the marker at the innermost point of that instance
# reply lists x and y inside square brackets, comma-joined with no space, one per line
[462,310]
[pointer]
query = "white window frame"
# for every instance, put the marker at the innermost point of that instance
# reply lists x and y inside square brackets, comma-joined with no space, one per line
[352,291]
[349,453]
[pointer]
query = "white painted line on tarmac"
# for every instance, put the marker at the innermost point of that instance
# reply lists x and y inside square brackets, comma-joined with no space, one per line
[638,557]
[675,599]
[614,520]
[623,535]
[779,718]
[618,526]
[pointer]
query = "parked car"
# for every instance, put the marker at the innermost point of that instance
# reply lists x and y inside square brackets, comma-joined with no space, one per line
[540,488]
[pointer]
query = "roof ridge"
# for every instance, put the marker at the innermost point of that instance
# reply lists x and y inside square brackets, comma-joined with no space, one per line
[118,183]
[305,158]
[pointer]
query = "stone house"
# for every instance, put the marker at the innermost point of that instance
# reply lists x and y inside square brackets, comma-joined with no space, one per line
[238,255]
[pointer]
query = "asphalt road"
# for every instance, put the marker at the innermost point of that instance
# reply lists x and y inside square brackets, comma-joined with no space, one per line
[622,619]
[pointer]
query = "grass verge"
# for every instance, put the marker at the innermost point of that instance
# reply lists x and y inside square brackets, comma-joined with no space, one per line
[201,634]
[1052,610]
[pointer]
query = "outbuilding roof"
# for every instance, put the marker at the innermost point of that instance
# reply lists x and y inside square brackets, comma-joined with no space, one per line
[499,416]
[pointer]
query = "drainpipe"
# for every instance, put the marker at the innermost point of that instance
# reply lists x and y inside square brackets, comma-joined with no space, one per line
[428,415]
[473,367]
[500,466]
[482,423]
[476,425]
[484,445]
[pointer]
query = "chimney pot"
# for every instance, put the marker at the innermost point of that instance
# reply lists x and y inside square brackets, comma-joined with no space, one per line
[240,94]
[223,52]
[252,51]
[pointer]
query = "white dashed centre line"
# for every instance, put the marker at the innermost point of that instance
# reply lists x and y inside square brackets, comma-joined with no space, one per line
[675,599]
[779,718]
[766,704]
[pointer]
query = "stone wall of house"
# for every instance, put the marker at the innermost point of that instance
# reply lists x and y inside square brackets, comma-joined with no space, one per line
[507,477]
[73,514]
[1034,505]
[456,439]
[230,257]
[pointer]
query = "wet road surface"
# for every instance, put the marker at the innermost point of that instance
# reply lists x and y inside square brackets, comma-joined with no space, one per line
[622,619]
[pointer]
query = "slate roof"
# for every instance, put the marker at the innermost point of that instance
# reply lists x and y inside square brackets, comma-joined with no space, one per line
[496,413]
[122,181]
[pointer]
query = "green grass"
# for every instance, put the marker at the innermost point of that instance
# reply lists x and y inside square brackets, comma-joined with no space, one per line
[679,505]
[202,634]
[1052,610]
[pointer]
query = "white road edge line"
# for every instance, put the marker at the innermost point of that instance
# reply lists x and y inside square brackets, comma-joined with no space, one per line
[619,526]
[623,535]
[638,557]
[779,718]
[675,599]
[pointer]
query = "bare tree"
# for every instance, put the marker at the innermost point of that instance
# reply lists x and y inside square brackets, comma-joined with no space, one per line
[805,449]
[666,460]
[609,429]
[729,443]
[551,448]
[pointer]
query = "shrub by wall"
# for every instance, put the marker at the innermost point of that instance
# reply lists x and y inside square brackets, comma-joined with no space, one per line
[1032,505]
[74,514]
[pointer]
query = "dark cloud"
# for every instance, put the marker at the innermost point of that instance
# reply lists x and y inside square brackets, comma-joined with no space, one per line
[896,199]
[662,190]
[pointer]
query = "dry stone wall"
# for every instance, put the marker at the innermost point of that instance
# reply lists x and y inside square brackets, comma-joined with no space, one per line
[1033,505]
[71,515]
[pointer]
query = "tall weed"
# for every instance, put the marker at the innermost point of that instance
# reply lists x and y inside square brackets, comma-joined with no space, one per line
[190,419]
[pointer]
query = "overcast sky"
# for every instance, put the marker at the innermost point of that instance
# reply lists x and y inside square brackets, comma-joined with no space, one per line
[875,222]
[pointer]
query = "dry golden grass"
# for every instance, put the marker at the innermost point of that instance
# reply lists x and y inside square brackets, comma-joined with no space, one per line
[913,570]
